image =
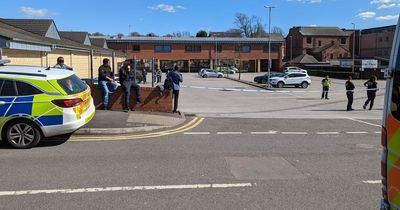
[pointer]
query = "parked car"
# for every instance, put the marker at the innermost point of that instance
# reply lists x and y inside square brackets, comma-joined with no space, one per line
[212,73]
[294,69]
[291,79]
[38,102]
[201,72]
[264,78]
[227,70]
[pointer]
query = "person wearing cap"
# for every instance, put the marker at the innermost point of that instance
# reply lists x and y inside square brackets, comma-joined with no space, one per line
[106,82]
[61,65]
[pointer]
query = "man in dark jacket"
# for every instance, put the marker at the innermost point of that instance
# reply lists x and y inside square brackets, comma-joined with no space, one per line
[176,78]
[106,82]
[350,93]
[372,87]
[128,81]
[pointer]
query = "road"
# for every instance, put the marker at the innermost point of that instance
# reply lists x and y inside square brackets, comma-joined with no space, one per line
[226,162]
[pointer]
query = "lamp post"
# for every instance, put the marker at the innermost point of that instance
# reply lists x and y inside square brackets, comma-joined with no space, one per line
[354,45]
[269,42]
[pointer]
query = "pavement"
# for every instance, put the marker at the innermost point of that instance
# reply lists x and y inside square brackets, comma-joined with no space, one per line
[116,122]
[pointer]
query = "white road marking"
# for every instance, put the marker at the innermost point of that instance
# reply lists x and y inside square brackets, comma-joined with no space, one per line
[196,133]
[357,132]
[360,121]
[328,133]
[127,188]
[229,133]
[373,182]
[294,133]
[264,133]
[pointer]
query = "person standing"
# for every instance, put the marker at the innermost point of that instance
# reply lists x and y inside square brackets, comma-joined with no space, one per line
[159,75]
[144,75]
[61,65]
[106,82]
[372,87]
[350,93]
[176,78]
[326,83]
[128,81]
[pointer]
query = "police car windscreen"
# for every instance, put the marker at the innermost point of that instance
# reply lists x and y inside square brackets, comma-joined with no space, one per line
[72,85]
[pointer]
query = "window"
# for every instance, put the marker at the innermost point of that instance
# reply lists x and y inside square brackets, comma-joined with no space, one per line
[162,48]
[309,40]
[193,48]
[332,42]
[387,39]
[25,89]
[340,55]
[343,41]
[385,53]
[331,56]
[243,48]
[136,48]
[219,48]
[8,88]
[319,43]
[274,48]
[72,85]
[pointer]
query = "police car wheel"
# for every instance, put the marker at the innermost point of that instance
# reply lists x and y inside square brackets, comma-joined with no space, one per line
[304,85]
[22,134]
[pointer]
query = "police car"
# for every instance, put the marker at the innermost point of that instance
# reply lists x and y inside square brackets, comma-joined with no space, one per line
[38,102]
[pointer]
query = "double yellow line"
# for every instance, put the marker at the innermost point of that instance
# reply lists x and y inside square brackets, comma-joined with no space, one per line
[192,124]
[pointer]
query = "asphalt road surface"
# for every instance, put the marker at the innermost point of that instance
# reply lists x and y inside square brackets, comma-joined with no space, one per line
[251,151]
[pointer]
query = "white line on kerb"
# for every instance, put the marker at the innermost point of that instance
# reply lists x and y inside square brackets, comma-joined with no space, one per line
[294,133]
[328,133]
[360,121]
[196,133]
[114,189]
[357,132]
[229,133]
[373,182]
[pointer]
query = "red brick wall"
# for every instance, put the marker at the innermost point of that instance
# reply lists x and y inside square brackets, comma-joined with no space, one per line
[152,100]
[371,45]
[207,53]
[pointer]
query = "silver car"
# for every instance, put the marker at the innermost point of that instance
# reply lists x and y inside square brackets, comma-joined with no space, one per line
[211,73]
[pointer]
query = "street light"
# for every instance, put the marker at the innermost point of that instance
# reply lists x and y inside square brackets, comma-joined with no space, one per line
[354,45]
[269,43]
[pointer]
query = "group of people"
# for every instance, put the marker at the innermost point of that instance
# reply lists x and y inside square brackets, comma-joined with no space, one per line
[372,88]
[128,82]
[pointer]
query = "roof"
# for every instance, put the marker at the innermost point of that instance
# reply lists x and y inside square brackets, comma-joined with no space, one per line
[29,72]
[36,26]
[77,36]
[322,48]
[379,29]
[10,32]
[322,31]
[99,42]
[226,34]
[274,38]
[305,58]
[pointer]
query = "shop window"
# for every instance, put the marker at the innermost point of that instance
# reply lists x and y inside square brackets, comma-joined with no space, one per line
[243,48]
[162,48]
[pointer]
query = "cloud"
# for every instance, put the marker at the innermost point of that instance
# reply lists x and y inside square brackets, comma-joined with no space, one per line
[167,8]
[388,17]
[386,4]
[32,12]
[306,1]
[366,15]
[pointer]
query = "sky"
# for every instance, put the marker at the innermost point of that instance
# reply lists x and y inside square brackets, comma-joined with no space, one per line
[168,16]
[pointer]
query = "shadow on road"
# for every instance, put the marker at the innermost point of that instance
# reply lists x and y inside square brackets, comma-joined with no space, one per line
[46,142]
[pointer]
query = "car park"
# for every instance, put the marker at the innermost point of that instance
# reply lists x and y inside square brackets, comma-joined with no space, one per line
[39,102]
[212,73]
[291,79]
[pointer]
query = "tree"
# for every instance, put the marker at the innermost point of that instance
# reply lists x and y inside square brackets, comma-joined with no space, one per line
[151,34]
[250,26]
[120,35]
[202,33]
[97,34]
[181,34]
[277,30]
[135,34]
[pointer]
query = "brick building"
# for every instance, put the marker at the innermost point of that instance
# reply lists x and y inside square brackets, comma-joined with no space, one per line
[192,54]
[323,43]
[377,42]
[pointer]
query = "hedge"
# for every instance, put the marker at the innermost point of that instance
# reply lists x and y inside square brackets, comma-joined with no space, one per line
[334,74]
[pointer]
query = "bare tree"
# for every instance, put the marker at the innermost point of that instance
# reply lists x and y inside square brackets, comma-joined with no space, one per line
[277,30]
[250,26]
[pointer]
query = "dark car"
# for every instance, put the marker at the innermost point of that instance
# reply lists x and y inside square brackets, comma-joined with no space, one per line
[263,78]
